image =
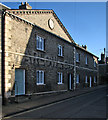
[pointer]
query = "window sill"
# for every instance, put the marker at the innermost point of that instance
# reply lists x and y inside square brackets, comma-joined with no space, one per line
[77,83]
[61,56]
[40,84]
[41,50]
[59,83]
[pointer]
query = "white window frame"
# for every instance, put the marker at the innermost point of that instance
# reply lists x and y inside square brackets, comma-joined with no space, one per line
[40,77]
[86,81]
[60,78]
[40,43]
[77,57]
[94,79]
[60,50]
[77,78]
[86,60]
[94,63]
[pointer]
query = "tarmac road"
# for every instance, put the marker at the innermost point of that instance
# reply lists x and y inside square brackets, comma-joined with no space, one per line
[89,105]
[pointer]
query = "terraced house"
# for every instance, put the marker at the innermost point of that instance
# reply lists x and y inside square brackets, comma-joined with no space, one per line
[41,56]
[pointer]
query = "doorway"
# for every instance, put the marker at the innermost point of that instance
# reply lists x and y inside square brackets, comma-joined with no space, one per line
[19,81]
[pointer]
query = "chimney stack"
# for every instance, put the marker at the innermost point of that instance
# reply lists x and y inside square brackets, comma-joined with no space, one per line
[25,6]
[84,46]
[102,58]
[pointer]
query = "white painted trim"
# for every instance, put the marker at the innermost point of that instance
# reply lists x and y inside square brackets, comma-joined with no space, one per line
[60,51]
[43,77]
[86,79]
[50,60]
[40,84]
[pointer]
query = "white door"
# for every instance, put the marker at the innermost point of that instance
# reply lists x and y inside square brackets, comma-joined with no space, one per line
[19,82]
[90,81]
[70,82]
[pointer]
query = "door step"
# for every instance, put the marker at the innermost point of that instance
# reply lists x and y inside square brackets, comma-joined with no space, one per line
[19,99]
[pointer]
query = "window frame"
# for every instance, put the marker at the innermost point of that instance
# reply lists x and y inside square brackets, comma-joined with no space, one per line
[86,79]
[40,43]
[94,63]
[86,60]
[77,57]
[95,79]
[38,76]
[60,78]
[77,79]
[60,50]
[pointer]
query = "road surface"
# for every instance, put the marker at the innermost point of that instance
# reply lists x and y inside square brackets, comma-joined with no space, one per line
[89,105]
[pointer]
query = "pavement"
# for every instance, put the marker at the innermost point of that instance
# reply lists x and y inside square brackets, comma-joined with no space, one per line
[42,100]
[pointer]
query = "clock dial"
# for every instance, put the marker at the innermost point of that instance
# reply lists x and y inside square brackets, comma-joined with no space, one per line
[51,23]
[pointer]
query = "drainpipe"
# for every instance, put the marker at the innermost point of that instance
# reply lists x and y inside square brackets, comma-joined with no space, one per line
[3,57]
[74,68]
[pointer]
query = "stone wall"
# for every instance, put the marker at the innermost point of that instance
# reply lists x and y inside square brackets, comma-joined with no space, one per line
[84,69]
[40,18]
[21,52]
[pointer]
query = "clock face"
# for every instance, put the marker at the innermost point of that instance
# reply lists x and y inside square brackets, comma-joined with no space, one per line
[51,23]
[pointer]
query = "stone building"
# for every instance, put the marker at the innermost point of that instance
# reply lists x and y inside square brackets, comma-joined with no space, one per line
[41,56]
[103,68]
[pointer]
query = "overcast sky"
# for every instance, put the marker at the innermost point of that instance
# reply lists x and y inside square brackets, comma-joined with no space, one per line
[85,21]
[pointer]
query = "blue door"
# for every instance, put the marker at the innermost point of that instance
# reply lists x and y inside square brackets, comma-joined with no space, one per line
[19,82]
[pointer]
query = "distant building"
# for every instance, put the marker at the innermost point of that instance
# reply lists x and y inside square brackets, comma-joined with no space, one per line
[103,69]
[41,56]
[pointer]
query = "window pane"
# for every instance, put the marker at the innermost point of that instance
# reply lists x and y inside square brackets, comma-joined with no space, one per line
[37,42]
[94,79]
[86,79]
[59,50]
[37,76]
[77,57]
[60,77]
[40,43]
[43,77]
[77,79]
[40,77]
